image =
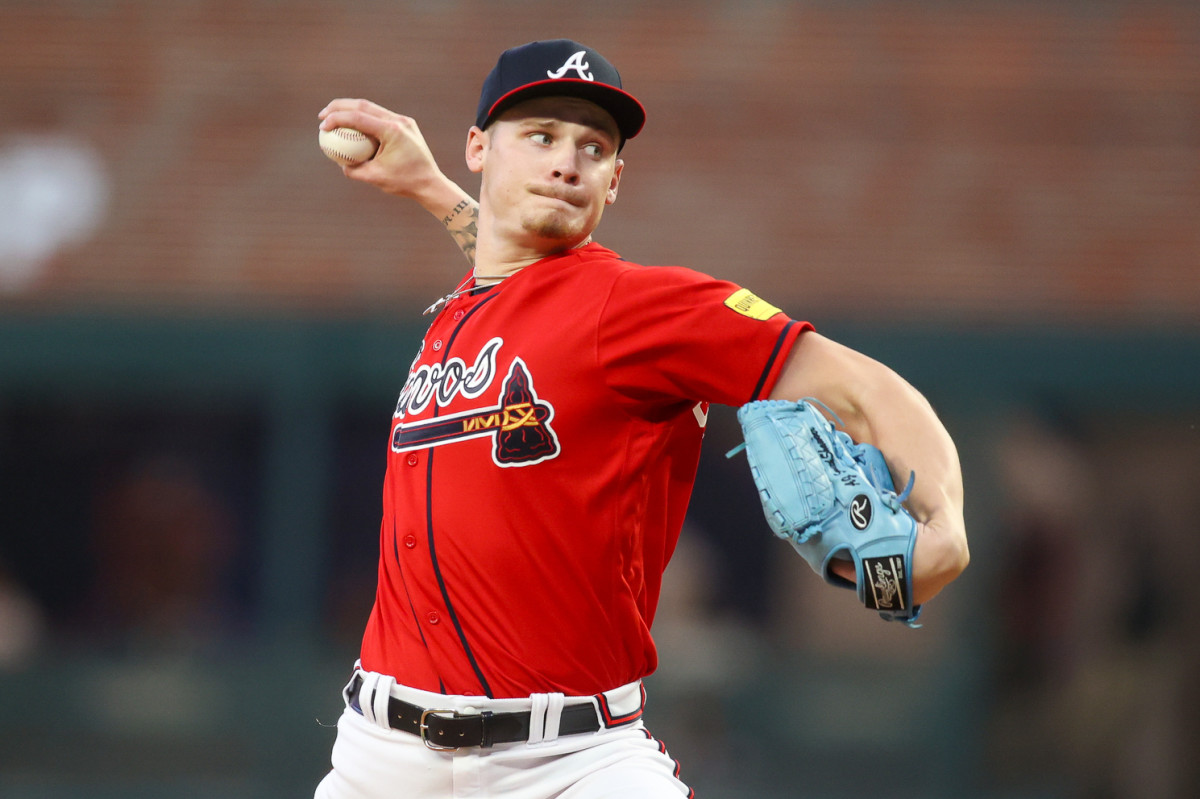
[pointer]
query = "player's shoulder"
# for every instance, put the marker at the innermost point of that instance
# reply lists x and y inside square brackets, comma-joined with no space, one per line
[601,259]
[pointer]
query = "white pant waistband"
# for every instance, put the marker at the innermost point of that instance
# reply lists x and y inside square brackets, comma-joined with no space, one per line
[614,708]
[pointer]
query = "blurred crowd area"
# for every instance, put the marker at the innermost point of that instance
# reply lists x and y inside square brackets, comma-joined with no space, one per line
[203,328]
[1063,666]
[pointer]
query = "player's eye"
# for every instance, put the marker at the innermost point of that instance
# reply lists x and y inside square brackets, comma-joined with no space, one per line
[541,138]
[594,151]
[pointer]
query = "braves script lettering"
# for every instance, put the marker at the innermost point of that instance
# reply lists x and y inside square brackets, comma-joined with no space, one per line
[443,381]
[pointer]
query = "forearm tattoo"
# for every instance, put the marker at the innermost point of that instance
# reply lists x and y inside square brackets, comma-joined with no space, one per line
[462,224]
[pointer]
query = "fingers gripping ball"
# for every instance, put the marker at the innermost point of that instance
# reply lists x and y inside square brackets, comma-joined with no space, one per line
[347,146]
[832,498]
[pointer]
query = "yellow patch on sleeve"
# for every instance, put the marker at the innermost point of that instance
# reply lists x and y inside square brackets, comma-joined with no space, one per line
[748,304]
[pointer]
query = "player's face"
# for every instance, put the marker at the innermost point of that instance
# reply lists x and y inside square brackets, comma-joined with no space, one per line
[549,168]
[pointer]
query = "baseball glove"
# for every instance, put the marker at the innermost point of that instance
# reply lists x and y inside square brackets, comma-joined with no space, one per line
[832,498]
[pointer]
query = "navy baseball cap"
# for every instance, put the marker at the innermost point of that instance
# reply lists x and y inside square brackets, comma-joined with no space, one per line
[556,68]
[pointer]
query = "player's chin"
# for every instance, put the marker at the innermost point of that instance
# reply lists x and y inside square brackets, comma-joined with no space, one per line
[559,230]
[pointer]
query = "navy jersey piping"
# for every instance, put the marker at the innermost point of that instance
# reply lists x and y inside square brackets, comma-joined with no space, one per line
[404,584]
[762,380]
[437,571]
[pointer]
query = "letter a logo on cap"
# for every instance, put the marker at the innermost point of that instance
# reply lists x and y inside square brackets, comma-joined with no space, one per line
[576,63]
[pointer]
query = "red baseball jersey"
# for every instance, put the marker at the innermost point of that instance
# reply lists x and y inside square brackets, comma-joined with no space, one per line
[541,458]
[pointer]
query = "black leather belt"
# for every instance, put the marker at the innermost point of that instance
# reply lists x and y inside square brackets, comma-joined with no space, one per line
[450,729]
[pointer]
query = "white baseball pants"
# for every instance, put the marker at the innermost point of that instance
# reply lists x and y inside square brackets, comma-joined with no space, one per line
[372,761]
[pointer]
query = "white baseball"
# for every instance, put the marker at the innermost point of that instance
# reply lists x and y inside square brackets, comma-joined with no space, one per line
[347,146]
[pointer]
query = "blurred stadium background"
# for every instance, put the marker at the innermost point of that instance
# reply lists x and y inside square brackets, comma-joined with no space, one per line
[204,326]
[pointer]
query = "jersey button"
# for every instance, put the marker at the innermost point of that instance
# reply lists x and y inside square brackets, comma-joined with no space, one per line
[412,459]
[433,617]
[437,345]
[459,314]
[410,541]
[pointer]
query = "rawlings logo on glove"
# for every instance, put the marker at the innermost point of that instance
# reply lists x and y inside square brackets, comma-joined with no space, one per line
[832,498]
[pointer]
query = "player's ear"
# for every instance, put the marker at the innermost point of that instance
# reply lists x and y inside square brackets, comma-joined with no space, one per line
[476,148]
[611,196]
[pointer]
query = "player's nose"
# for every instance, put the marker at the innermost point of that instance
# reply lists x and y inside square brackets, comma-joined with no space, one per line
[565,165]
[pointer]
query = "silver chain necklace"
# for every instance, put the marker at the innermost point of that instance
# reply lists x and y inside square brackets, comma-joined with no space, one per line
[459,291]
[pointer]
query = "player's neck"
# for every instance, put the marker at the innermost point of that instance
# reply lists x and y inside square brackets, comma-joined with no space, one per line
[497,258]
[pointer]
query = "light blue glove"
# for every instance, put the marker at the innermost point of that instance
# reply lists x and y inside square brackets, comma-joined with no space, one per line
[832,498]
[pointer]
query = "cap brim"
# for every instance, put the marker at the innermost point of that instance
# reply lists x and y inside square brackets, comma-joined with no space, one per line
[622,106]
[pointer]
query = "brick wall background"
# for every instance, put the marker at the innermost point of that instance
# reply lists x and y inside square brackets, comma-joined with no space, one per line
[988,162]
[203,325]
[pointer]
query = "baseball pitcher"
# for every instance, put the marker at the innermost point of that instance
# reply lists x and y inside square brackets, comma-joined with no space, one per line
[544,445]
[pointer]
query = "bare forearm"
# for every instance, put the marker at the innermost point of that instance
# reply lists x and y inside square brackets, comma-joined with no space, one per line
[878,406]
[404,166]
[896,418]
[449,203]
[900,421]
[462,223]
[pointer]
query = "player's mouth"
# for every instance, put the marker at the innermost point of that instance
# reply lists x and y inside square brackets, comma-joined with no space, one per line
[576,199]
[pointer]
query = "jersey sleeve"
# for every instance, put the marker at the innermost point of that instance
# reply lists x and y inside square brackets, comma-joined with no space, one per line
[669,334]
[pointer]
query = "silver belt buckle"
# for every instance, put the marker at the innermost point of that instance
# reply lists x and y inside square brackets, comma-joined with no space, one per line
[423,729]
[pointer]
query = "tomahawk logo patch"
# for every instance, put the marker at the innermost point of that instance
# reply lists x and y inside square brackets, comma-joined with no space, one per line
[519,424]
